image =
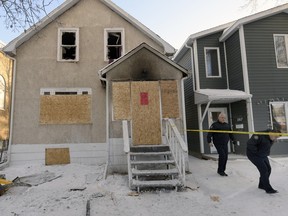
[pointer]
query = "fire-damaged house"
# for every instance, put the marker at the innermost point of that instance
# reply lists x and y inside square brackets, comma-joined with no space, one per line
[93,85]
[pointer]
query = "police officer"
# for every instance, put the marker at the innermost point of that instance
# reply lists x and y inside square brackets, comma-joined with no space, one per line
[258,150]
[220,140]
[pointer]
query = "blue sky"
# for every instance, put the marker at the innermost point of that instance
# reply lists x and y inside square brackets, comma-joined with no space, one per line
[175,20]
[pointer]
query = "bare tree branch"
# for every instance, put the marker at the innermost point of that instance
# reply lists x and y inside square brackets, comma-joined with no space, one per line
[23,13]
[253,5]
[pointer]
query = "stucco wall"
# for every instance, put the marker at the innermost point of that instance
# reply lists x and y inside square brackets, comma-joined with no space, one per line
[37,68]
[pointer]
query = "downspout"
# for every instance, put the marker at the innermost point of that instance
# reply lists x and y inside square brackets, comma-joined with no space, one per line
[226,67]
[108,160]
[246,80]
[11,115]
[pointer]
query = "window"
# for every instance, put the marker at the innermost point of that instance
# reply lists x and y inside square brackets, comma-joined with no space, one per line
[65,106]
[114,44]
[2,92]
[278,114]
[212,62]
[68,44]
[280,43]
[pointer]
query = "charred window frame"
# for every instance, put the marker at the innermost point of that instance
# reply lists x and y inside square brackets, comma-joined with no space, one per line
[212,62]
[114,44]
[68,44]
[2,92]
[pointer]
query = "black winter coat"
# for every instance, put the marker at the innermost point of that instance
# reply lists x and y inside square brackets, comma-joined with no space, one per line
[259,145]
[220,138]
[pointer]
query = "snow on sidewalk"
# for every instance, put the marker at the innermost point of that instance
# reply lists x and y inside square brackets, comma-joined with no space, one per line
[207,193]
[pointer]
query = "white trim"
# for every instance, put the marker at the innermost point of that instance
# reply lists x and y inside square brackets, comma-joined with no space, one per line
[117,30]
[196,64]
[226,66]
[218,60]
[200,125]
[52,91]
[244,60]
[249,105]
[59,44]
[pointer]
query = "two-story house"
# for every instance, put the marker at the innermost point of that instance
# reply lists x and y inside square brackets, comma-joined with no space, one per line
[241,69]
[6,66]
[89,77]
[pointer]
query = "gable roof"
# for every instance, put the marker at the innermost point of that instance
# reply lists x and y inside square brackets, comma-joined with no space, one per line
[141,61]
[2,44]
[229,28]
[11,47]
[189,41]
[252,18]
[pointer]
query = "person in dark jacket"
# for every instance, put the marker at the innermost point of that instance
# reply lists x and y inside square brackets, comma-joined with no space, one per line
[220,140]
[258,150]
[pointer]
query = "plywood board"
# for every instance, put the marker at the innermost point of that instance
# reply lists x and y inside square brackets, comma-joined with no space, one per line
[65,109]
[121,97]
[169,99]
[57,156]
[146,124]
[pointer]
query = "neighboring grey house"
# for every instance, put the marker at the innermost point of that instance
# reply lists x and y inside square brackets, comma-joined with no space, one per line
[240,68]
[73,76]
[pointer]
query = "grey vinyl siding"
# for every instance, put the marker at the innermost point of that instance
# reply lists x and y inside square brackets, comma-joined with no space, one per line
[234,63]
[213,83]
[239,112]
[190,107]
[267,82]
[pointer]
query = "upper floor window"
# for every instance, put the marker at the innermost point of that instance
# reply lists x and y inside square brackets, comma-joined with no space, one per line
[212,62]
[114,43]
[68,44]
[281,46]
[2,92]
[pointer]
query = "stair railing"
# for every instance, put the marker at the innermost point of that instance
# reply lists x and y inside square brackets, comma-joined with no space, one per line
[177,145]
[127,148]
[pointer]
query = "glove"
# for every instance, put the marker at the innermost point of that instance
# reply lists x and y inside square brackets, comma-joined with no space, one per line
[234,142]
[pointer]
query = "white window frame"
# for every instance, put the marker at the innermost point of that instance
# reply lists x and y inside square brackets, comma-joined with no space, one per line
[218,60]
[286,115]
[286,48]
[59,47]
[2,93]
[106,32]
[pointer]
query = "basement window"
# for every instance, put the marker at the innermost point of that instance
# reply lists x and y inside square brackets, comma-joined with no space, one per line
[114,44]
[68,44]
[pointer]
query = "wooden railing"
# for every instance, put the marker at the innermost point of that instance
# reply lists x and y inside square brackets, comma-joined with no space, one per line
[177,145]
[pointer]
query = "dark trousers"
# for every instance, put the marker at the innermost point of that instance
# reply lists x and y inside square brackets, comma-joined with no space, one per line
[223,157]
[264,168]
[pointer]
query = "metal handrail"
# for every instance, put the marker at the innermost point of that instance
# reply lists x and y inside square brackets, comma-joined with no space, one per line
[177,145]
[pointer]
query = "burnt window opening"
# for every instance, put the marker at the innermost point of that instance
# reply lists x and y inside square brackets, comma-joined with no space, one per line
[68,45]
[46,93]
[114,45]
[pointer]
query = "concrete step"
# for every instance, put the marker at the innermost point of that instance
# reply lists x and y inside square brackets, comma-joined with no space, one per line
[152,162]
[150,153]
[149,148]
[162,172]
[161,183]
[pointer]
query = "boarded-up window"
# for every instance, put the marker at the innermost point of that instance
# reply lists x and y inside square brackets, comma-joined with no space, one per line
[169,99]
[65,109]
[121,97]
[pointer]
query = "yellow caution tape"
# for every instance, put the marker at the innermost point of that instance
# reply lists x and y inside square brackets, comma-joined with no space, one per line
[239,132]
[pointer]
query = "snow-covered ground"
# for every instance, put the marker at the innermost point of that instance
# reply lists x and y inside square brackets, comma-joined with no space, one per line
[207,193]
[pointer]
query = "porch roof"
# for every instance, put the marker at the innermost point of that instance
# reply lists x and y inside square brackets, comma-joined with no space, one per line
[142,63]
[217,96]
